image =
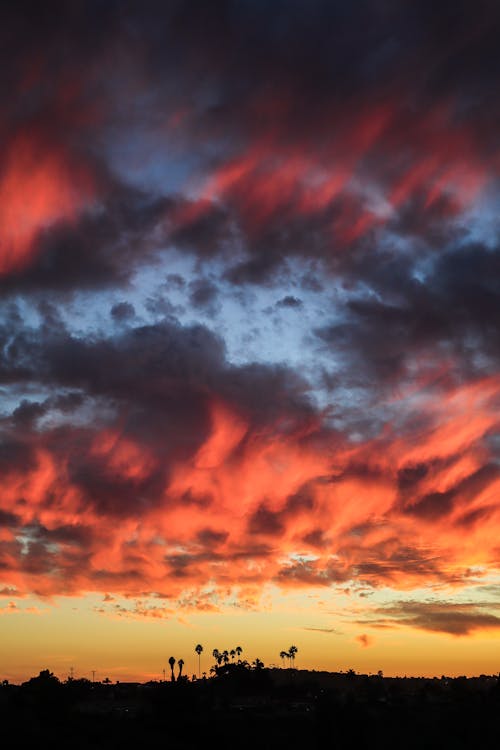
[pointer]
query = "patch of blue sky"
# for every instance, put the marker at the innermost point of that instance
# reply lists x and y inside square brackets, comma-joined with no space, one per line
[251,320]
[481,222]
[273,324]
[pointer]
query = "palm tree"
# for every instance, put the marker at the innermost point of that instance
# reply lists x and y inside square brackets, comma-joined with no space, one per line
[238,650]
[217,656]
[232,654]
[284,655]
[225,656]
[292,651]
[199,649]
[180,664]
[171,661]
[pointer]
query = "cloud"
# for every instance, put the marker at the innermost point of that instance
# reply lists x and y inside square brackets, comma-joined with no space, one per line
[453,618]
[57,190]
[349,173]
[389,142]
[122,311]
[203,295]
[331,631]
[199,469]
[99,249]
[365,641]
[404,319]
[6,591]
[289,301]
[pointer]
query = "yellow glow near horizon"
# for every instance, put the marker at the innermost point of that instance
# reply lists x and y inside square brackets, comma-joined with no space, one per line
[70,633]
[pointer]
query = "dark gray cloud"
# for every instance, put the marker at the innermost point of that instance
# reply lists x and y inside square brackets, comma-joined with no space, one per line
[452,618]
[449,313]
[289,301]
[203,294]
[122,311]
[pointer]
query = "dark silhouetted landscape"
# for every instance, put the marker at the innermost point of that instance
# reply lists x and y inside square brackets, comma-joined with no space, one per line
[248,705]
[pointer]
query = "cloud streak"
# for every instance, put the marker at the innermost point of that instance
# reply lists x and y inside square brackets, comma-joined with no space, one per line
[450,618]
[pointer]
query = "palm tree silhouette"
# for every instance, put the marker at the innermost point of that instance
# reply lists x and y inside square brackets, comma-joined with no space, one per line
[171,661]
[292,651]
[180,664]
[238,650]
[225,656]
[232,654]
[199,649]
[284,655]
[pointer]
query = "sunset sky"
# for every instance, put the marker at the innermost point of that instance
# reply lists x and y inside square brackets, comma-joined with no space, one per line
[250,350]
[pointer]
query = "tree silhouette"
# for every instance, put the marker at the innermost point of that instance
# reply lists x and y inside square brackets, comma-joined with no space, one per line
[199,649]
[44,679]
[284,655]
[218,656]
[180,664]
[232,654]
[238,650]
[292,651]
[171,661]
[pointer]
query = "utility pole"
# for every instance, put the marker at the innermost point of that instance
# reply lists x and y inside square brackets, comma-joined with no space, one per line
[71,673]
[93,676]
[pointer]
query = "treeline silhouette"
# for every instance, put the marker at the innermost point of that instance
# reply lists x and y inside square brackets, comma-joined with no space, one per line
[244,705]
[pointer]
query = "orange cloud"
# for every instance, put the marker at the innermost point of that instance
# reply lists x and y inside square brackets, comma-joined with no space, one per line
[285,500]
[365,641]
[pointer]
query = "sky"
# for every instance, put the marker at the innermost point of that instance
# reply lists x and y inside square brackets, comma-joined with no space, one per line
[249,344]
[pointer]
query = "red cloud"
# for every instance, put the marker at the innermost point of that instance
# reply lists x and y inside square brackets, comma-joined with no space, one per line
[39,185]
[351,171]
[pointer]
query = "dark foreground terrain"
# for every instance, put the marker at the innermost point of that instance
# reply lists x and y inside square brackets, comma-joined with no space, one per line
[241,707]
